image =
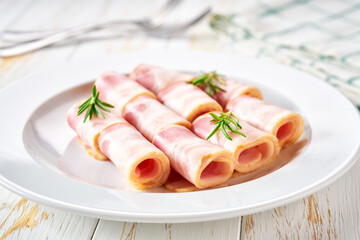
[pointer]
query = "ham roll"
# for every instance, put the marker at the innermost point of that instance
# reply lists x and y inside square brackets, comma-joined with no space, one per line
[249,153]
[157,78]
[89,131]
[187,100]
[139,161]
[200,162]
[287,126]
[142,164]
[234,89]
[176,183]
[118,90]
[149,116]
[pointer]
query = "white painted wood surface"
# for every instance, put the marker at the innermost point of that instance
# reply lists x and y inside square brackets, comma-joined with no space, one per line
[332,213]
[223,229]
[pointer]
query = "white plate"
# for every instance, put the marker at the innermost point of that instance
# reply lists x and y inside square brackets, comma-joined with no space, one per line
[35,113]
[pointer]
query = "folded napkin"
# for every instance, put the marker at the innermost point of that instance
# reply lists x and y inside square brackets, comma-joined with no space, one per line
[320,37]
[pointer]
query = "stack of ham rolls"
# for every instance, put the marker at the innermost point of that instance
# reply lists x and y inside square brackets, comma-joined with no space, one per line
[160,123]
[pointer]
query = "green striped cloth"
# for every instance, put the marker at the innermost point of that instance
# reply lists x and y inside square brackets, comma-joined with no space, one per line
[321,37]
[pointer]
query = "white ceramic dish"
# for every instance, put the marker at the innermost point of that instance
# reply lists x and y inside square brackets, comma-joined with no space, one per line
[37,147]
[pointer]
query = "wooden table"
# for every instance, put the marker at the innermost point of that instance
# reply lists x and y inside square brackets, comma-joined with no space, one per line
[332,213]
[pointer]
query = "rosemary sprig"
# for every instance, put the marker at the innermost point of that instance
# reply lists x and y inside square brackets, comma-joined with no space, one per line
[225,121]
[209,81]
[94,106]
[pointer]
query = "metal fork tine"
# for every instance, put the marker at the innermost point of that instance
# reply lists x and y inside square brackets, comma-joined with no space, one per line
[157,18]
[146,25]
[169,31]
[160,16]
[168,4]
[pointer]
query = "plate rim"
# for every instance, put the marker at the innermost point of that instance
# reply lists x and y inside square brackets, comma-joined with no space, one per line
[184,217]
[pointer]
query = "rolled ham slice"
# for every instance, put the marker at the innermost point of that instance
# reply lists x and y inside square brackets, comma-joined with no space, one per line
[200,162]
[234,89]
[287,126]
[157,78]
[249,153]
[177,183]
[139,161]
[89,131]
[149,116]
[187,100]
[142,164]
[119,90]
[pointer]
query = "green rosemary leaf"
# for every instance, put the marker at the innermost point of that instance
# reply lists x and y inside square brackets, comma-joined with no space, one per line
[103,107]
[213,132]
[234,130]
[233,115]
[209,90]
[229,127]
[86,102]
[210,82]
[105,103]
[94,91]
[215,116]
[220,79]
[91,111]
[198,80]
[94,106]
[224,121]
[87,114]
[82,109]
[98,111]
[219,89]
[236,124]
[224,131]
[240,133]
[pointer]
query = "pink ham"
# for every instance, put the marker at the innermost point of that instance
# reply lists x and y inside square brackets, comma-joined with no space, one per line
[287,126]
[140,162]
[119,90]
[187,100]
[150,116]
[249,153]
[200,162]
[89,131]
[235,89]
[156,78]
[176,183]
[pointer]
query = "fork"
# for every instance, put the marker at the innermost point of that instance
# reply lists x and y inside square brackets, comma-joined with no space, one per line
[152,21]
[151,27]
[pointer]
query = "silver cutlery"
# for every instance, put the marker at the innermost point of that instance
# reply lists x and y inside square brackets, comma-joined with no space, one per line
[152,21]
[154,25]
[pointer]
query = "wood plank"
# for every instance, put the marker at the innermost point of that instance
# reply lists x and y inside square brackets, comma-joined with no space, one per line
[222,229]
[332,213]
[24,219]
